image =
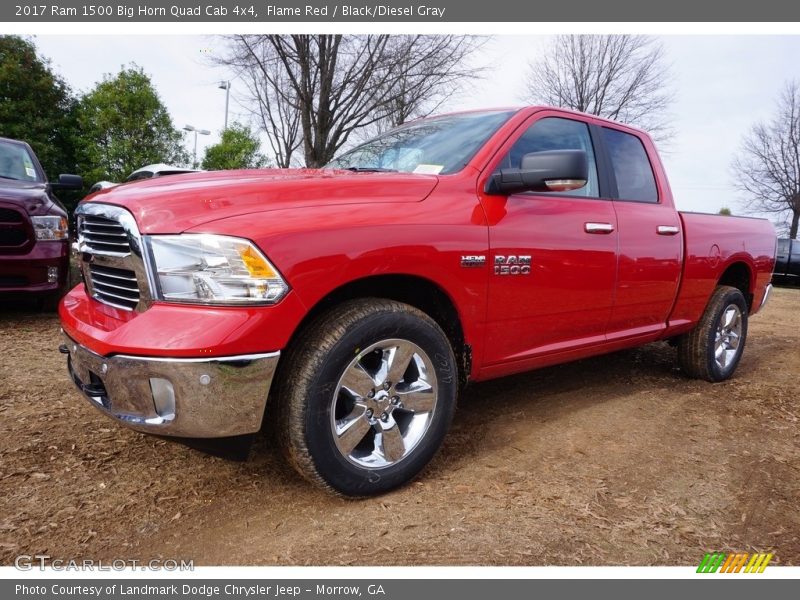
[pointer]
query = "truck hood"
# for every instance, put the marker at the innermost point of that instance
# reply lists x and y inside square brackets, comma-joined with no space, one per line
[32,197]
[27,195]
[175,203]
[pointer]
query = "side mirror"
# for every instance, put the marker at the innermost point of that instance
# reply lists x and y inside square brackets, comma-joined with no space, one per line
[547,171]
[68,182]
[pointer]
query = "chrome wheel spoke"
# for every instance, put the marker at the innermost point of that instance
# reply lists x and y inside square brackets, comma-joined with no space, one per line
[392,445]
[352,433]
[358,412]
[733,340]
[419,397]
[721,356]
[398,361]
[729,354]
[730,316]
[382,374]
[357,381]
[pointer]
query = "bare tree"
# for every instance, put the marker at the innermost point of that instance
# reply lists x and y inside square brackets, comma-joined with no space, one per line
[314,92]
[620,77]
[767,168]
[430,70]
[277,118]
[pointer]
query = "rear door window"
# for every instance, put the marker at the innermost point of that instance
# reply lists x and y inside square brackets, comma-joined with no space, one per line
[632,168]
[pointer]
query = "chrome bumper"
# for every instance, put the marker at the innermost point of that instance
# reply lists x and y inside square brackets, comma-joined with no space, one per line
[767,292]
[183,397]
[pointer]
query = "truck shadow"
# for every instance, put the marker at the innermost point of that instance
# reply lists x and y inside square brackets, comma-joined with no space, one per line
[12,307]
[532,399]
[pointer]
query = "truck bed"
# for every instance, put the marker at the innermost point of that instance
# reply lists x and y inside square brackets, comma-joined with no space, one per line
[712,243]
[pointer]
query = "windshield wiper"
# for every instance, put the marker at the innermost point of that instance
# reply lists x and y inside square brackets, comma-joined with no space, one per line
[11,178]
[370,170]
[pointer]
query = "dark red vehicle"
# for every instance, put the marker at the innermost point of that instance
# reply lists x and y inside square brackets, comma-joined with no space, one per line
[360,298]
[34,244]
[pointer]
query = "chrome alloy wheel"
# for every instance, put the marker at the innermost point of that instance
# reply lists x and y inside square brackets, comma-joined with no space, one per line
[384,403]
[728,336]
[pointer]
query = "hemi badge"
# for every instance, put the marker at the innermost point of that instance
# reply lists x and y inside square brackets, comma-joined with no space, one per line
[473,260]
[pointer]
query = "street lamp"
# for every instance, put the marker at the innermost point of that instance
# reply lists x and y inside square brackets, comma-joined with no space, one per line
[226,85]
[196,131]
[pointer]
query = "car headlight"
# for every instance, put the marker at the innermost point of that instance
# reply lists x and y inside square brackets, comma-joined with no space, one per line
[213,269]
[50,228]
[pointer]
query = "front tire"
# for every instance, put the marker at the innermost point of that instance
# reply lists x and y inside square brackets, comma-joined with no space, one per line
[366,396]
[713,349]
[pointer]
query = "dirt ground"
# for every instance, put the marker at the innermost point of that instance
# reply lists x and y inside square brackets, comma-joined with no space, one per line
[617,460]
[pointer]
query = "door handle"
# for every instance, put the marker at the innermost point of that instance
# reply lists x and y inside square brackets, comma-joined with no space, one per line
[667,230]
[598,227]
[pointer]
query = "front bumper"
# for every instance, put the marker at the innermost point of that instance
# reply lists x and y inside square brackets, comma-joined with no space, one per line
[182,397]
[33,272]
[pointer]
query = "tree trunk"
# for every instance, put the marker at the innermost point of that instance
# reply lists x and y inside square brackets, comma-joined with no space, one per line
[795,220]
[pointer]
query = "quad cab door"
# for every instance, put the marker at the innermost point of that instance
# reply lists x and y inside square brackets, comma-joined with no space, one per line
[553,255]
[650,237]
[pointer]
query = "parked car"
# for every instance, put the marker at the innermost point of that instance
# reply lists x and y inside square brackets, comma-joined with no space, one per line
[362,297]
[157,170]
[147,172]
[102,185]
[787,263]
[34,247]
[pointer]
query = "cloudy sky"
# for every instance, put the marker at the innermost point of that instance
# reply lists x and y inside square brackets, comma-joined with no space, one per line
[723,84]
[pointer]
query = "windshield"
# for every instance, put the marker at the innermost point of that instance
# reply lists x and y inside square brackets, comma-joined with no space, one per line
[441,145]
[136,176]
[16,163]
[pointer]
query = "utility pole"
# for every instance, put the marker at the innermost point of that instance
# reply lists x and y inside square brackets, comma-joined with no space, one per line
[196,131]
[226,85]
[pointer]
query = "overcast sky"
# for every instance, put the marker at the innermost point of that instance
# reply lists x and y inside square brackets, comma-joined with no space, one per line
[723,84]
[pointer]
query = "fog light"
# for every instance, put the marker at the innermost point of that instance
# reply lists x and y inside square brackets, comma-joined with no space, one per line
[163,397]
[52,274]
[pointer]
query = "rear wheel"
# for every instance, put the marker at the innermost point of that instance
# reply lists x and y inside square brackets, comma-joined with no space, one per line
[712,350]
[367,395]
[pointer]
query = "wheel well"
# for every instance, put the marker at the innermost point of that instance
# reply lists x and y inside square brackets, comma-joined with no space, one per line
[738,275]
[418,292]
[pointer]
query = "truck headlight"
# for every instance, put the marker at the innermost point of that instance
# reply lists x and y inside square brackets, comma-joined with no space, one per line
[213,269]
[50,228]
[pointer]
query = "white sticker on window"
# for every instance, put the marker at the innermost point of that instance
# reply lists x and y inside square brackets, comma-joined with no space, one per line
[31,173]
[429,169]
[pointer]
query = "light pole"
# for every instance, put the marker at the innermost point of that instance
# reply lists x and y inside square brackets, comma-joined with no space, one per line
[196,131]
[226,85]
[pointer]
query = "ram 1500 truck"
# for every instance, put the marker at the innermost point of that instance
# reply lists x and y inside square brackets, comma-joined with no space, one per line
[361,297]
[787,262]
[34,246]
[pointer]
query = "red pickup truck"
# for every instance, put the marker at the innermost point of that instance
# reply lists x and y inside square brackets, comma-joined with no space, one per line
[361,297]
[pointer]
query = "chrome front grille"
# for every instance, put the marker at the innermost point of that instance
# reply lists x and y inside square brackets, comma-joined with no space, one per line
[109,249]
[118,287]
[101,234]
